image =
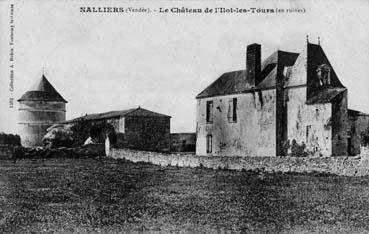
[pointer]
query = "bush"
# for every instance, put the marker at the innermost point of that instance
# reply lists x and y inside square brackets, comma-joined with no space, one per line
[58,135]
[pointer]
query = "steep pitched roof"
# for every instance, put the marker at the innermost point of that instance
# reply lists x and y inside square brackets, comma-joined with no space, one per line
[316,58]
[116,114]
[325,95]
[237,81]
[352,112]
[42,90]
[297,69]
[228,83]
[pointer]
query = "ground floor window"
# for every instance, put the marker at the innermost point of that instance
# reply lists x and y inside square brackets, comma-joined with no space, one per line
[209,143]
[308,133]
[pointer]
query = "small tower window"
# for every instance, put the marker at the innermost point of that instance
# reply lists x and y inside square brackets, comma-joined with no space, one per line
[308,132]
[324,74]
[209,144]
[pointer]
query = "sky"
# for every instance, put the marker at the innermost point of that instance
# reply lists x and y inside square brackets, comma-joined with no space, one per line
[112,61]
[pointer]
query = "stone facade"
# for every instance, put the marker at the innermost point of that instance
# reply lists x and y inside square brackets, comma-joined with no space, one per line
[309,124]
[289,104]
[36,117]
[257,110]
[147,133]
[183,142]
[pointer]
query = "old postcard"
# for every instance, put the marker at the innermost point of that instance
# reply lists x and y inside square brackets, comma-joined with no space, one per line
[184,116]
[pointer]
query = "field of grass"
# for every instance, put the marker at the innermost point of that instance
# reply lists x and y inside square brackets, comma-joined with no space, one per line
[107,196]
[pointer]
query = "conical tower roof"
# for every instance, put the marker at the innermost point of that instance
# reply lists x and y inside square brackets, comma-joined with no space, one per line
[42,90]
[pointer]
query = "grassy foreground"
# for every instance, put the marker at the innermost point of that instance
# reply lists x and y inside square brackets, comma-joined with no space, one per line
[106,196]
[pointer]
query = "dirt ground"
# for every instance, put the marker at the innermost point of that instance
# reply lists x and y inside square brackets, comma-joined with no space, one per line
[107,196]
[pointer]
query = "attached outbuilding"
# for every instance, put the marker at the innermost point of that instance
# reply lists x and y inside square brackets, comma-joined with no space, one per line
[135,128]
[358,132]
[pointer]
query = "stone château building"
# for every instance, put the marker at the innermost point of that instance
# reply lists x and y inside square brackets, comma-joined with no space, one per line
[289,102]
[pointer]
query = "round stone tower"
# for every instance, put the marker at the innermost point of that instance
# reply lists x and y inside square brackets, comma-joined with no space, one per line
[39,108]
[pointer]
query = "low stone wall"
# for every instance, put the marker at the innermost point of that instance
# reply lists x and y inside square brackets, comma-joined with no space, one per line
[346,166]
[9,139]
[6,151]
[19,152]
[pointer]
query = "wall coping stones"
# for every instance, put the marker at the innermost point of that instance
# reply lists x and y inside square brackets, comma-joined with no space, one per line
[343,165]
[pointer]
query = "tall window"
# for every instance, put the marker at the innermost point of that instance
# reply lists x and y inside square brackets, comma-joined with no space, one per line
[209,111]
[308,132]
[209,144]
[324,74]
[232,110]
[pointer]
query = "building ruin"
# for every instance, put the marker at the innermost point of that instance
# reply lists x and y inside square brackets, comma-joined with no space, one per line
[135,128]
[291,103]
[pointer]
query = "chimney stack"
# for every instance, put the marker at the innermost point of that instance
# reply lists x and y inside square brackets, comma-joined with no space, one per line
[253,64]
